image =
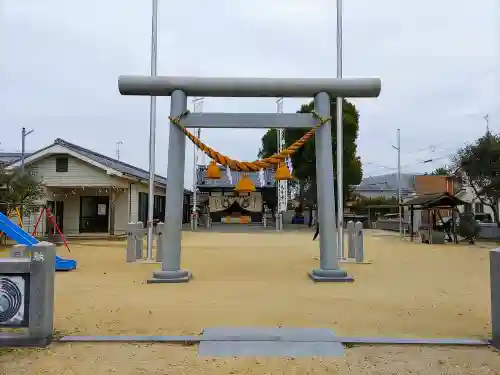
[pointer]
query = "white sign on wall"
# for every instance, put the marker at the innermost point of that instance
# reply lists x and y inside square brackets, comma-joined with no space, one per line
[101,209]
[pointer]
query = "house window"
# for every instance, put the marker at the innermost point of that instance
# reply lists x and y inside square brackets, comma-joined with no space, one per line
[468,207]
[61,164]
[158,211]
[143,208]
[478,208]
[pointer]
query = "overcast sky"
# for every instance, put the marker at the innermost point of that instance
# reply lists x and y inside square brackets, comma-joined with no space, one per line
[438,61]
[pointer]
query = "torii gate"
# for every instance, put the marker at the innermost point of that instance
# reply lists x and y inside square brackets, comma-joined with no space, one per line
[178,88]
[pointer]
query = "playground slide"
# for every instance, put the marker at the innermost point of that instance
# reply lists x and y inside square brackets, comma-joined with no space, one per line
[17,234]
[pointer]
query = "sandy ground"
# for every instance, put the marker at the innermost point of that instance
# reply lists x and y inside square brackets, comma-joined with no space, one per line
[260,279]
[159,359]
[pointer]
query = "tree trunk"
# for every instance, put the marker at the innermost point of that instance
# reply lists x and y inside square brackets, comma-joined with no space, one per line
[494,208]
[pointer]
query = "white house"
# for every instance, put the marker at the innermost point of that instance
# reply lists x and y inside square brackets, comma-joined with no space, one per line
[88,192]
[473,203]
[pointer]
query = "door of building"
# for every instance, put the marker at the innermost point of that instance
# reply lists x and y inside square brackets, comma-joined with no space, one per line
[57,210]
[94,214]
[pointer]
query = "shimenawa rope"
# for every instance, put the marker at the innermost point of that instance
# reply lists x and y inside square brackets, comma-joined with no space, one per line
[250,166]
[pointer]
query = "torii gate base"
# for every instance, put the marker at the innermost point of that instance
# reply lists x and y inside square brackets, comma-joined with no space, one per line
[179,87]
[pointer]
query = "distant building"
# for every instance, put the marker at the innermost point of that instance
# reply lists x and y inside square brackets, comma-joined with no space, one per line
[90,192]
[386,186]
[431,184]
[7,158]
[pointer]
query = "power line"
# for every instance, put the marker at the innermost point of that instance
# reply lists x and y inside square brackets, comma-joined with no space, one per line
[433,146]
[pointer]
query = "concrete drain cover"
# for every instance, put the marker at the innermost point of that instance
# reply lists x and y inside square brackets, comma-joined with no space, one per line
[269,342]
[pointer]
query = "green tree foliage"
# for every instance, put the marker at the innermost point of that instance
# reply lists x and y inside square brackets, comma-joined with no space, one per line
[19,188]
[478,166]
[304,160]
[441,171]
[364,202]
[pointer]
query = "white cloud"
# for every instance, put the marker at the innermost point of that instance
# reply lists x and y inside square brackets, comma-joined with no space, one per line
[61,59]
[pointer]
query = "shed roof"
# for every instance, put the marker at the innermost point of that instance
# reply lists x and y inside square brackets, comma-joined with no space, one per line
[435,200]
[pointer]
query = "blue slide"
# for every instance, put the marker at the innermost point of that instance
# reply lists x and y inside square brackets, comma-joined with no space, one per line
[14,232]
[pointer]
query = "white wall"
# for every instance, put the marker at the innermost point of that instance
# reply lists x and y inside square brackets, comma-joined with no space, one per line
[468,196]
[79,174]
[121,212]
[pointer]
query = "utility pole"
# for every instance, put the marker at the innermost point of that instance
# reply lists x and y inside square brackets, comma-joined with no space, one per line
[118,149]
[197,104]
[398,149]
[340,138]
[152,131]
[487,119]
[24,134]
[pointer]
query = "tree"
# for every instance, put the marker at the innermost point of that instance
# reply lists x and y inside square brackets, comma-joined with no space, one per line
[478,166]
[441,171]
[19,188]
[304,160]
[363,202]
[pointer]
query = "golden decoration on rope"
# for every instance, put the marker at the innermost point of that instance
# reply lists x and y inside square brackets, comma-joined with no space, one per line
[248,166]
[283,173]
[244,185]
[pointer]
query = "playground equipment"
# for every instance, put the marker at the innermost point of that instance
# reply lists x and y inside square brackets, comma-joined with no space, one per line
[10,214]
[53,220]
[14,213]
[179,87]
[24,238]
[27,296]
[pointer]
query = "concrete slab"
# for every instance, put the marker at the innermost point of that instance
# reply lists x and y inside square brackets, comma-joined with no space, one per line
[270,349]
[268,334]
[269,342]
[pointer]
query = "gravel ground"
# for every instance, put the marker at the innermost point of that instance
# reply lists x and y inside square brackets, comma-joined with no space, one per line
[260,279]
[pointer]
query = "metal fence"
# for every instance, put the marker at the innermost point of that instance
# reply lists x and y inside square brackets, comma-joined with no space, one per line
[489,231]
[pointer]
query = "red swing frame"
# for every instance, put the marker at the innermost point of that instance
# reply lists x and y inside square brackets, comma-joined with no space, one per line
[53,220]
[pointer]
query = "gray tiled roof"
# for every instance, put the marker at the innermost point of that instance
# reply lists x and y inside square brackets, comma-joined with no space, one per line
[224,181]
[110,162]
[118,165]
[7,158]
[387,182]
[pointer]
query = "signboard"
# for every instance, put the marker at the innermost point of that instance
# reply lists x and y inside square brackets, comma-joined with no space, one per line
[101,209]
[14,300]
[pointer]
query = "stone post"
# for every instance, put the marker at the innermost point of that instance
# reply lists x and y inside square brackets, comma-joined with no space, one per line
[41,312]
[351,251]
[134,241]
[359,242]
[160,240]
[495,296]
[139,236]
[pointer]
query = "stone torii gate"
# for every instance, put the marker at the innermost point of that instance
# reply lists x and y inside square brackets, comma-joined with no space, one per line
[178,88]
